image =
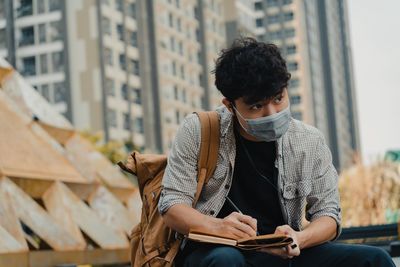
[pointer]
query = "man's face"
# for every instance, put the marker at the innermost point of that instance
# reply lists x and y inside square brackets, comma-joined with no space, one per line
[259,109]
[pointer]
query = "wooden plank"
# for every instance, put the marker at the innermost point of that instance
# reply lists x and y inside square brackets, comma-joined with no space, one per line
[14,259]
[10,224]
[87,220]
[60,134]
[9,244]
[58,208]
[35,188]
[25,154]
[134,205]
[93,257]
[36,218]
[93,165]
[111,211]
[49,258]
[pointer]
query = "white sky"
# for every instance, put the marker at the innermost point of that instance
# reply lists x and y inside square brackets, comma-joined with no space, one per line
[375,39]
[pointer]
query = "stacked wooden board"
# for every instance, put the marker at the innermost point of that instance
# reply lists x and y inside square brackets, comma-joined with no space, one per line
[61,201]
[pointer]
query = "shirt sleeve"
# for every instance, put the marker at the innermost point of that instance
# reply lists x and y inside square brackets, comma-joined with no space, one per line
[180,176]
[324,198]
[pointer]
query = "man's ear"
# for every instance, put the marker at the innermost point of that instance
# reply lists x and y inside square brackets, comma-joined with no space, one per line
[227,104]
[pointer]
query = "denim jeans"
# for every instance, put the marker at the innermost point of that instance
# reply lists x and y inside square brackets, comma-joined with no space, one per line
[326,255]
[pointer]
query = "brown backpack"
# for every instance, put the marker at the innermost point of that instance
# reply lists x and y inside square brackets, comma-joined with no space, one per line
[152,242]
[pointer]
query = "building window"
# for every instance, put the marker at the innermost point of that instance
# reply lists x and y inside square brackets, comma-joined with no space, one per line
[3,38]
[171,20]
[112,118]
[54,5]
[108,56]
[173,68]
[133,39]
[182,72]
[177,117]
[60,92]
[132,10]
[127,123]
[275,35]
[288,16]
[124,92]
[120,32]
[137,96]
[295,100]
[297,115]
[46,92]
[273,19]
[58,61]
[110,87]
[27,36]
[291,49]
[120,5]
[55,31]
[42,33]
[172,43]
[106,25]
[29,66]
[25,8]
[44,67]
[259,22]
[176,93]
[272,3]
[139,125]
[179,24]
[294,83]
[184,99]
[289,33]
[287,2]
[122,62]
[292,66]
[258,6]
[181,48]
[135,68]
[41,8]
[2,13]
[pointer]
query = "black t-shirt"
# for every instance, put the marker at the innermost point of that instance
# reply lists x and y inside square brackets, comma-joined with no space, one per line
[252,193]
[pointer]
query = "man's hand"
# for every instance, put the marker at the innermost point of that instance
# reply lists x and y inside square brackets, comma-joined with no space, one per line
[237,225]
[289,251]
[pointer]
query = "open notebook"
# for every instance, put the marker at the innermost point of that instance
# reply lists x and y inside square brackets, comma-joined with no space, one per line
[251,243]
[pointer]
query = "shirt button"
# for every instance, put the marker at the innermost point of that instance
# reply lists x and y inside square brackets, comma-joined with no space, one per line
[227,186]
[212,212]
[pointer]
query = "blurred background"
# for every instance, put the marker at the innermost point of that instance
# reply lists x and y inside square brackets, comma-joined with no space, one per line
[100,78]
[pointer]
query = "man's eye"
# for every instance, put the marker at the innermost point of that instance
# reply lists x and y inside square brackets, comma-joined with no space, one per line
[278,99]
[256,107]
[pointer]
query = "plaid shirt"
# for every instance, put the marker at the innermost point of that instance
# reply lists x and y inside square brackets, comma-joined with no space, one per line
[307,180]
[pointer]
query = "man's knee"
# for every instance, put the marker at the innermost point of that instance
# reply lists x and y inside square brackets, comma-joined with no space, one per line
[378,257]
[224,256]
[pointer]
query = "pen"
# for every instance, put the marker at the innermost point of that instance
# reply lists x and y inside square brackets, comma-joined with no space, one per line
[236,208]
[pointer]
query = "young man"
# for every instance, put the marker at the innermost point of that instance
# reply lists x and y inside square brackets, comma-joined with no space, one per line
[271,166]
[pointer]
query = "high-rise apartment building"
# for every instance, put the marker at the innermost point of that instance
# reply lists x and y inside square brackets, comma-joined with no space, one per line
[314,38]
[83,57]
[182,39]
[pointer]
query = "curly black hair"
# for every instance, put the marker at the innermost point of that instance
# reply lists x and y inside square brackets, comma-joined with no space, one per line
[252,70]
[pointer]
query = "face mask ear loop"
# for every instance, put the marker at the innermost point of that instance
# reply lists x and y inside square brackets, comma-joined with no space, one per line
[237,112]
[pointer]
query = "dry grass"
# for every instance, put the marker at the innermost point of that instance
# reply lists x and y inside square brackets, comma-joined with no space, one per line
[370,195]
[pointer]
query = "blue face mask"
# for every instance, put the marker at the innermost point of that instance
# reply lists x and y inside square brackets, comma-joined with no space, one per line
[268,128]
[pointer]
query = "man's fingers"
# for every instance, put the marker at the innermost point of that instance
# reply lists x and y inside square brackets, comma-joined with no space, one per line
[245,219]
[244,228]
[249,221]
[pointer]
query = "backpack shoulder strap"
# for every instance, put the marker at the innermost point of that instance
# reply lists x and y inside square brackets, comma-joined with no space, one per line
[209,146]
